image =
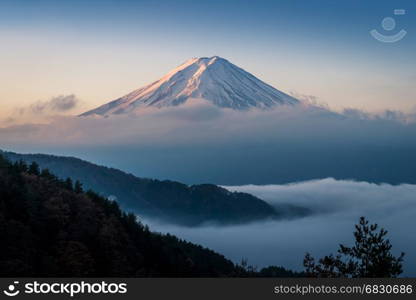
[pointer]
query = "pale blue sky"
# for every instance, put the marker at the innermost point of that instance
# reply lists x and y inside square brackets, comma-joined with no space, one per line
[100,50]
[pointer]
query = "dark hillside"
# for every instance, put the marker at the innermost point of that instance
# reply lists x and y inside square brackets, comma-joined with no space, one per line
[52,228]
[48,229]
[167,200]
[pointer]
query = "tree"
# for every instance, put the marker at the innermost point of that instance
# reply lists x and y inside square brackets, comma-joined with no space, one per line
[4,163]
[34,169]
[78,187]
[68,184]
[48,175]
[369,257]
[20,166]
[48,230]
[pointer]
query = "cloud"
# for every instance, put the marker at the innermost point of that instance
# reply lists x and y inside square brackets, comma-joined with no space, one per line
[337,204]
[202,143]
[56,104]
[42,111]
[308,99]
[335,196]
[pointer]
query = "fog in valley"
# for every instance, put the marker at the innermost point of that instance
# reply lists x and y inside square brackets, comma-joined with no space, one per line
[204,144]
[337,206]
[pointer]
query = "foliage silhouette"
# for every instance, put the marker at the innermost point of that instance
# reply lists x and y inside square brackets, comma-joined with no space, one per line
[51,228]
[369,257]
[170,201]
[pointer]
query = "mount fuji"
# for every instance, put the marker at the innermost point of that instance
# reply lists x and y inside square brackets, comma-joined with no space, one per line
[213,79]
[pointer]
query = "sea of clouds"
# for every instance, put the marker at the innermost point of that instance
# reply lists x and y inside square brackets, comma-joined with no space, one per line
[247,150]
[336,204]
[200,143]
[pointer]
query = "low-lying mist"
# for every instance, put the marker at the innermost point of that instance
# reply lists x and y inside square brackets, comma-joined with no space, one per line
[204,144]
[337,206]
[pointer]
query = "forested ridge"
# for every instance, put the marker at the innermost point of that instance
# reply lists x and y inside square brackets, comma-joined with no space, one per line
[170,201]
[51,227]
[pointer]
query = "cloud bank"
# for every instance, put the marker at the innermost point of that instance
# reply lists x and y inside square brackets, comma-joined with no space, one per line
[56,104]
[42,110]
[337,206]
[201,143]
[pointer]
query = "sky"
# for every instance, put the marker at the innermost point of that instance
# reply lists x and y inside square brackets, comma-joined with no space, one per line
[96,51]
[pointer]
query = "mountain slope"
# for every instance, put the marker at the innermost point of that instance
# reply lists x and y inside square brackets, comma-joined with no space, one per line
[210,78]
[167,200]
[49,229]
[46,229]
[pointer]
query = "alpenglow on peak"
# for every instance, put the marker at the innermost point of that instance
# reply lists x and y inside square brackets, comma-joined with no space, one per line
[213,79]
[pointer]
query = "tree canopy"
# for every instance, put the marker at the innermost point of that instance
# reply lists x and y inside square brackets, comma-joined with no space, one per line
[370,256]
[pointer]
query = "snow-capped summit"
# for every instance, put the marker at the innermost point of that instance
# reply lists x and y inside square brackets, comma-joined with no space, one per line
[214,79]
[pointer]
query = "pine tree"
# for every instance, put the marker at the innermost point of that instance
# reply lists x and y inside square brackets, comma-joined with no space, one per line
[68,184]
[4,163]
[78,187]
[21,166]
[369,257]
[48,175]
[34,169]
